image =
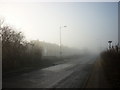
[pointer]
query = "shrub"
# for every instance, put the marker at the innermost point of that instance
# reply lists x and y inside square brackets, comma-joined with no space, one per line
[16,52]
[111,65]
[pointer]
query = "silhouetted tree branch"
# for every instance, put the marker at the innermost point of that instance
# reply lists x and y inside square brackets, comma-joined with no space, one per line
[17,52]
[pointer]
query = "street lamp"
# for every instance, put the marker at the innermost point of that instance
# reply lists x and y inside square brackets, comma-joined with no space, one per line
[60,40]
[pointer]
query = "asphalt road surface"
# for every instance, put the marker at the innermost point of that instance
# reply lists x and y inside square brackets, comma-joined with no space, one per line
[72,74]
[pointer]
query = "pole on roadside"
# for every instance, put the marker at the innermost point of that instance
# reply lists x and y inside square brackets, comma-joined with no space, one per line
[61,41]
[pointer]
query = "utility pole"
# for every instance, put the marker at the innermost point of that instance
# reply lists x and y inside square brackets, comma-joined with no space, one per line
[61,41]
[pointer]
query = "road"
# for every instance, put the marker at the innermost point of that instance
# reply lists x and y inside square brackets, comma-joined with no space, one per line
[72,74]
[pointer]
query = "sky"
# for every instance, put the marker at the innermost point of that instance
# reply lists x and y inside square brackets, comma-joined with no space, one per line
[89,24]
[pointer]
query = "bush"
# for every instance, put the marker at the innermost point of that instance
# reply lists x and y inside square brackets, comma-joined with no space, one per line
[16,52]
[111,65]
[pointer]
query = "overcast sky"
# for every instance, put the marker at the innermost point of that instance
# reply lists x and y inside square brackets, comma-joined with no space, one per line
[89,24]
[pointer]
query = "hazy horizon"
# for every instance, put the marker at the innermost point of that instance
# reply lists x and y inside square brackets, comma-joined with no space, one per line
[89,24]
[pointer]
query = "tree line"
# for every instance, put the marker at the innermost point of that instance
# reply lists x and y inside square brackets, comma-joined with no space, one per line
[16,51]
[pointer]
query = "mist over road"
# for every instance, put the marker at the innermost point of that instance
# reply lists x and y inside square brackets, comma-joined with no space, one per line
[72,74]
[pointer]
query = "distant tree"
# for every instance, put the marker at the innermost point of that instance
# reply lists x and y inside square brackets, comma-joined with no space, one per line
[36,49]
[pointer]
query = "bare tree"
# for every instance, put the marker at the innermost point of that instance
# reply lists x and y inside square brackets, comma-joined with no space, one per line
[11,45]
[15,49]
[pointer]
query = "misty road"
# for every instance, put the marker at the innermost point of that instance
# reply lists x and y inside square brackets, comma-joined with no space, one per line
[72,74]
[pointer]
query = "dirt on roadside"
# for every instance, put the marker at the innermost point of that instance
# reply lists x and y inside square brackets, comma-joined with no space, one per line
[97,78]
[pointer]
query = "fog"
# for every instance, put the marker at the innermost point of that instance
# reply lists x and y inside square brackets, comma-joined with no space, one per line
[59,44]
[89,25]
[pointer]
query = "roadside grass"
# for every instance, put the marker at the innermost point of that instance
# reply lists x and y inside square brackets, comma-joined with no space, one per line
[45,62]
[111,65]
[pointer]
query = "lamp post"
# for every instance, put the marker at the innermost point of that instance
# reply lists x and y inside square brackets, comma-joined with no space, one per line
[60,40]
